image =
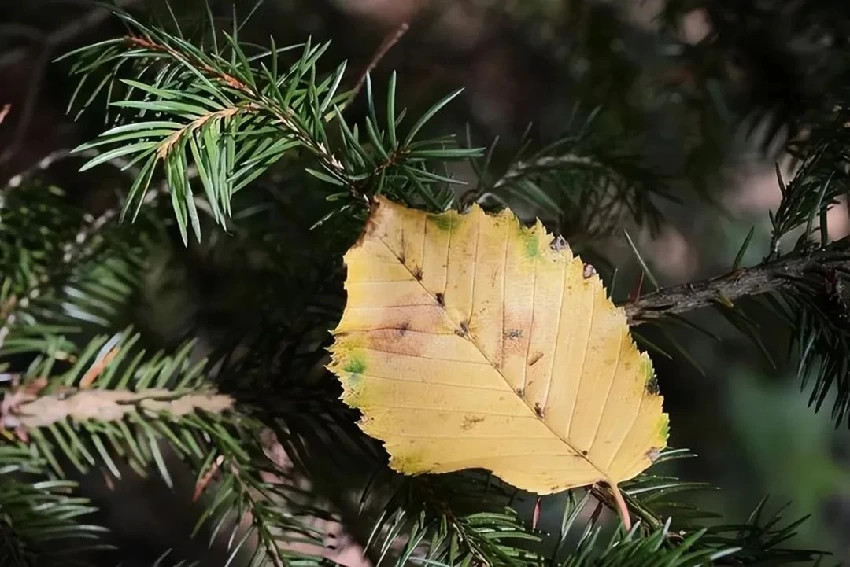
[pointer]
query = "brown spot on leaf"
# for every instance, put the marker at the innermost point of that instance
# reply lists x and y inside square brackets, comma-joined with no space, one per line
[403,328]
[464,329]
[417,273]
[538,410]
[584,453]
[520,392]
[441,300]
[470,420]
[588,271]
[513,334]
[535,358]
[401,255]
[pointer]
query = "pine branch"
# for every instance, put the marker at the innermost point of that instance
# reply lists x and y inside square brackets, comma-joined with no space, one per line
[284,115]
[74,252]
[651,551]
[23,409]
[61,268]
[805,289]
[235,114]
[118,403]
[39,518]
[41,521]
[521,169]
[583,184]
[249,489]
[771,276]
[450,519]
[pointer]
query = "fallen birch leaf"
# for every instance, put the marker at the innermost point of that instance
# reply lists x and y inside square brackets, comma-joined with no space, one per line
[471,341]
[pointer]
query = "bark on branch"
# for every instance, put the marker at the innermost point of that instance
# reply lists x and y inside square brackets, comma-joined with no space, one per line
[771,276]
[30,410]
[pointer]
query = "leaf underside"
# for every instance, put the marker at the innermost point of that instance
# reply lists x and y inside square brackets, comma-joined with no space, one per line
[471,341]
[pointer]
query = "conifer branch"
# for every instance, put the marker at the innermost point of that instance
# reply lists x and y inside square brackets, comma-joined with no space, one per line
[235,114]
[29,411]
[521,169]
[67,264]
[284,115]
[771,276]
[586,185]
[74,252]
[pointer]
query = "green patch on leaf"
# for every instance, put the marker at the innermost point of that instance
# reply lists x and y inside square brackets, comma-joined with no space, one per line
[648,372]
[408,463]
[531,242]
[664,426]
[355,366]
[445,221]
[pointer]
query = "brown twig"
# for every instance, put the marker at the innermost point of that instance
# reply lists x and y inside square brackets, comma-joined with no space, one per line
[389,41]
[746,282]
[67,33]
[34,411]
[45,46]
[606,497]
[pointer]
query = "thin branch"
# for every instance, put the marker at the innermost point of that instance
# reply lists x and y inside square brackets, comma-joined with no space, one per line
[61,36]
[16,179]
[389,41]
[167,145]
[771,276]
[46,45]
[523,168]
[33,411]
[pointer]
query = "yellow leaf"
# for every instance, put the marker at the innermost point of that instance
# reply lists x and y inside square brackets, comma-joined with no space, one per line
[471,341]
